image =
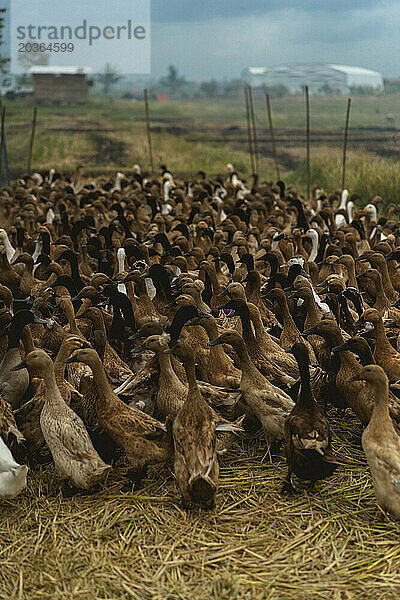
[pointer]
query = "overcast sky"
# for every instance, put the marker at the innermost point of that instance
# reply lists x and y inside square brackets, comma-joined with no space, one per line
[218,38]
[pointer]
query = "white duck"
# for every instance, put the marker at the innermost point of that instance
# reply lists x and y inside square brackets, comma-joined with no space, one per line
[117,186]
[50,216]
[312,234]
[341,219]
[121,255]
[10,250]
[350,210]
[168,185]
[12,475]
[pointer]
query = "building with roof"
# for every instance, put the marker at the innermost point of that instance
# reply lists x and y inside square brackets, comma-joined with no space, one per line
[320,77]
[64,85]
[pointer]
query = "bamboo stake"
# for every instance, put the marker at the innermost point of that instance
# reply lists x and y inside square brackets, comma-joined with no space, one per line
[32,141]
[271,129]
[249,135]
[146,103]
[308,142]
[253,126]
[346,130]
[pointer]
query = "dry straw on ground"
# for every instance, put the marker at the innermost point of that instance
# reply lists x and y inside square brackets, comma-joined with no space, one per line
[325,543]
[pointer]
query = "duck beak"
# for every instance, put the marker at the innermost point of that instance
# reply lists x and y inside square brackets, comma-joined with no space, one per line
[354,378]
[309,331]
[134,337]
[22,365]
[71,359]
[338,348]
[170,304]
[192,323]
[215,342]
[203,315]
[39,320]
[168,351]
[391,324]
[224,293]
[225,306]
[139,349]
[359,323]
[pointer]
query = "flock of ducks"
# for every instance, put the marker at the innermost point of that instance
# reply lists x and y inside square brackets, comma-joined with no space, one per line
[147,319]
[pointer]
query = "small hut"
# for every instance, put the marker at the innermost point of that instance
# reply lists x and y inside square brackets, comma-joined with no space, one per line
[64,85]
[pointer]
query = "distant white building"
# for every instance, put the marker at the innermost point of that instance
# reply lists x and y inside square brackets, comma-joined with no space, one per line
[319,77]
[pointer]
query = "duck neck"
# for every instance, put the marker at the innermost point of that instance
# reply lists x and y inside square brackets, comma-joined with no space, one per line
[261,334]
[352,279]
[27,340]
[216,287]
[218,358]
[253,285]
[70,314]
[289,326]
[190,374]
[59,362]
[334,339]
[249,371]
[167,374]
[314,249]
[86,303]
[382,302]
[131,294]
[202,306]
[305,397]
[9,248]
[380,415]
[392,270]
[248,334]
[313,312]
[141,289]
[105,391]
[15,334]
[387,283]
[382,343]
[52,392]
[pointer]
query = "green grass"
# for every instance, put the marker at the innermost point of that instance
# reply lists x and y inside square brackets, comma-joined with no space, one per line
[366,176]
[106,136]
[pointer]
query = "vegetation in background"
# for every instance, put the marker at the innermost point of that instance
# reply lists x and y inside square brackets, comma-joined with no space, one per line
[108,78]
[173,82]
[203,134]
[3,61]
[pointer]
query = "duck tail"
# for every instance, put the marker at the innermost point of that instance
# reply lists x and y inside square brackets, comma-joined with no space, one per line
[202,489]
[19,475]
[334,459]
[101,469]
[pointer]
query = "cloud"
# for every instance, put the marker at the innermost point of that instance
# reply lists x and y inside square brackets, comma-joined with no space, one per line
[182,10]
[259,33]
